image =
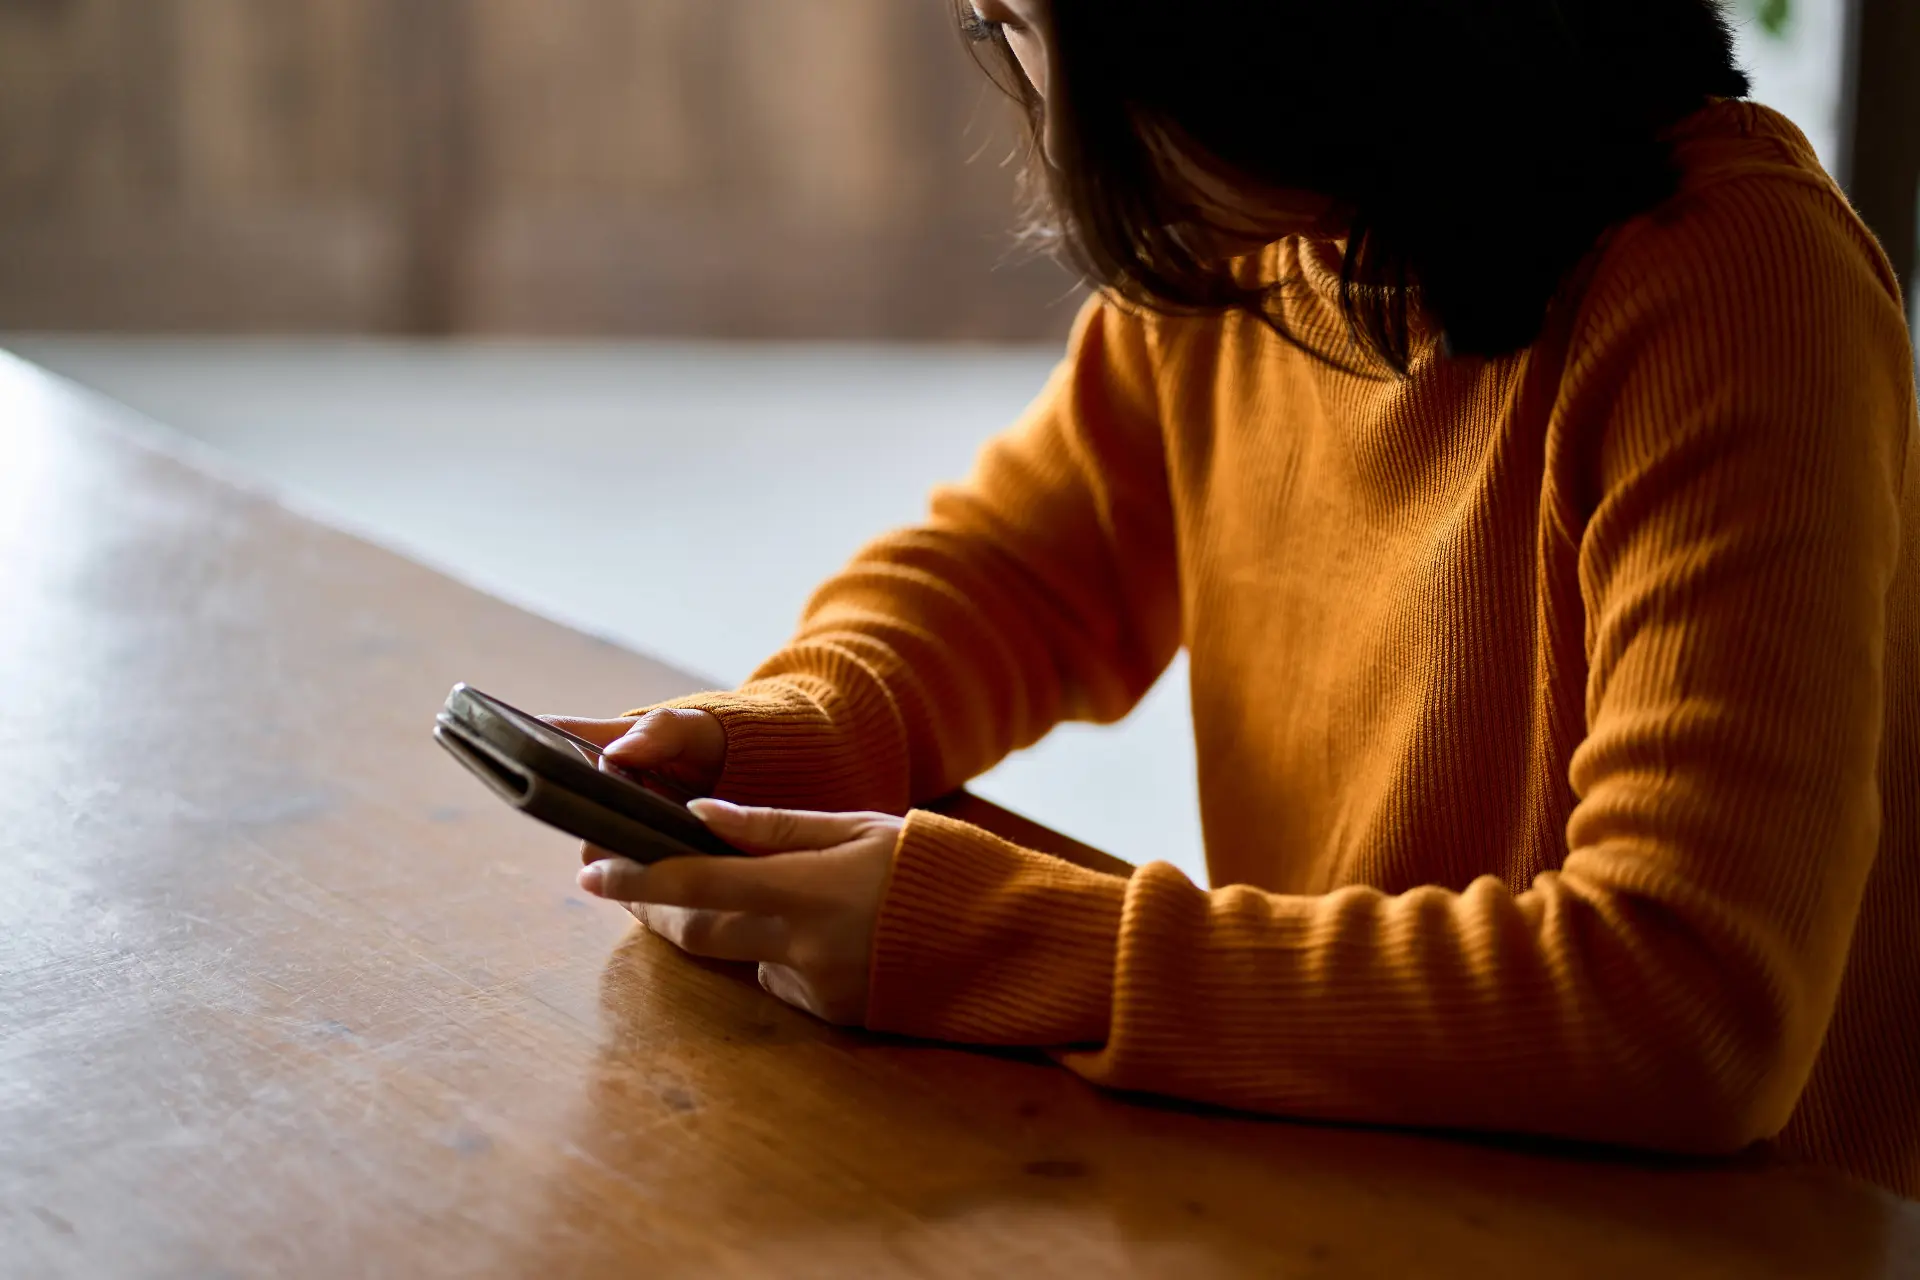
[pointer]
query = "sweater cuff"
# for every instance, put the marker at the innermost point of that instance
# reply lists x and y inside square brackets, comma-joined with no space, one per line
[786,749]
[982,942]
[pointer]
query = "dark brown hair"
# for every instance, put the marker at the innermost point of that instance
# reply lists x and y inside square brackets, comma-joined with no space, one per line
[1476,149]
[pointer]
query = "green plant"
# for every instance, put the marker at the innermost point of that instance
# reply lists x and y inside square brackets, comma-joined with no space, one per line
[1774,15]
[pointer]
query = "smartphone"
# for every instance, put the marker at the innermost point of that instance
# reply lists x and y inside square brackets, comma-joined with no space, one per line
[556,777]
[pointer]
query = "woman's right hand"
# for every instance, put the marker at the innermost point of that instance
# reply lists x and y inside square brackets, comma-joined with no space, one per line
[686,747]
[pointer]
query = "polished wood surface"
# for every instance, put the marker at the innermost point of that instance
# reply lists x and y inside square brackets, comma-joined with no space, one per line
[283,992]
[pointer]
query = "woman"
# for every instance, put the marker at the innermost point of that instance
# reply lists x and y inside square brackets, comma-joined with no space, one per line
[1517,430]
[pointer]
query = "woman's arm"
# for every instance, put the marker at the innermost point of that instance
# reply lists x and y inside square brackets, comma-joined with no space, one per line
[1042,589]
[1670,984]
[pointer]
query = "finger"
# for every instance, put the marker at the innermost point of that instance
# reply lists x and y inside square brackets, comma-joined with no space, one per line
[779,884]
[777,830]
[719,935]
[709,884]
[786,985]
[613,878]
[599,732]
[667,736]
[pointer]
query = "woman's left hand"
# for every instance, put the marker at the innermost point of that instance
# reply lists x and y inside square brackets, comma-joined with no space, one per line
[803,910]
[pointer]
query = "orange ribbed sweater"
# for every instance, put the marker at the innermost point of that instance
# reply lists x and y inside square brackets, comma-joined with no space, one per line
[1558,716]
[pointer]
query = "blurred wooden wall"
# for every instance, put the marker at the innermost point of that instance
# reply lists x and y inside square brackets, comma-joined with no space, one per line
[1883,127]
[730,167]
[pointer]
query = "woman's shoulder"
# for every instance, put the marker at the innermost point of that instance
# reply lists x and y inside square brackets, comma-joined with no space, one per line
[1753,304]
[1733,138]
[1755,220]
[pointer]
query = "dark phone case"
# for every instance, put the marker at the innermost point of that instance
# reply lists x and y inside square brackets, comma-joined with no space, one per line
[530,765]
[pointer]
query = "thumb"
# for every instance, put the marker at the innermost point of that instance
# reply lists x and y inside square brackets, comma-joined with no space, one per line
[599,732]
[777,830]
[665,735]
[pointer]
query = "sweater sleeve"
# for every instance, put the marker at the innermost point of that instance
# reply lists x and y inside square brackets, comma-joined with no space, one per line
[1669,984]
[1043,588]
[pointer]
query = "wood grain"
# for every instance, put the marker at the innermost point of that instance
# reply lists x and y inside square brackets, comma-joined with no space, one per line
[282,992]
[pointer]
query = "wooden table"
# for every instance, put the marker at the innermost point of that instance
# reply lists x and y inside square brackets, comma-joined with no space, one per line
[282,991]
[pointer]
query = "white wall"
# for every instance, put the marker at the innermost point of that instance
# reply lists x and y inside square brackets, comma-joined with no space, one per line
[1799,73]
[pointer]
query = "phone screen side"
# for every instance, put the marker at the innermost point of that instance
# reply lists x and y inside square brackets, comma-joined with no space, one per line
[559,739]
[654,801]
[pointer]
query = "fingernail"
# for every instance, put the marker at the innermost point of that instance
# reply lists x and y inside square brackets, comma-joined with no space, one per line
[593,877]
[706,808]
